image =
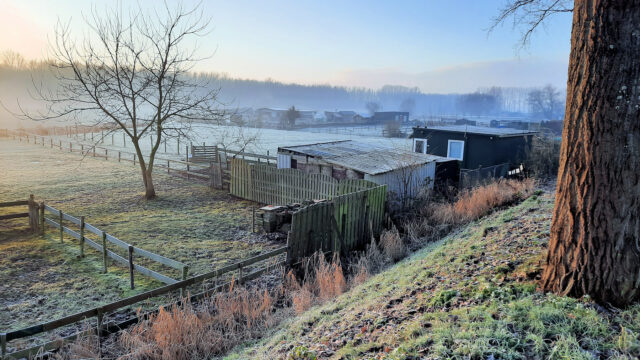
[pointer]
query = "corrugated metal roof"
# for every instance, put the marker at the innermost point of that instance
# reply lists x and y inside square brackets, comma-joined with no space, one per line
[482,130]
[366,158]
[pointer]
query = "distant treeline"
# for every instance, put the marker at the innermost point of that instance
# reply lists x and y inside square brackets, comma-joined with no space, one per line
[21,78]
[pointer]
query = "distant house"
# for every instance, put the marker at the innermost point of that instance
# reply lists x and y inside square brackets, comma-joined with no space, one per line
[306,117]
[270,117]
[341,117]
[474,146]
[404,171]
[381,117]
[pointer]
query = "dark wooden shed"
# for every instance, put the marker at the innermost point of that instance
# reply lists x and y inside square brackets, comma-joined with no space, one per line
[474,146]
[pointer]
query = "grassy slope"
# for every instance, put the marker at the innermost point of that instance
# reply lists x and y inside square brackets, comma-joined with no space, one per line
[41,279]
[470,296]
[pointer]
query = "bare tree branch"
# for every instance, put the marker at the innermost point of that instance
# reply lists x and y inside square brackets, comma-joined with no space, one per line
[528,15]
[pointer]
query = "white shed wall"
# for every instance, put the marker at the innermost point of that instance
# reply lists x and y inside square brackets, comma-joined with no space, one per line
[394,179]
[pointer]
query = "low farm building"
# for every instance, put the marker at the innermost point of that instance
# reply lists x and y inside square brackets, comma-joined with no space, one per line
[403,171]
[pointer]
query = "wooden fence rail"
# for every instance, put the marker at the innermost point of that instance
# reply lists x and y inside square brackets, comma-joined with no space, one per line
[32,212]
[101,246]
[197,168]
[101,311]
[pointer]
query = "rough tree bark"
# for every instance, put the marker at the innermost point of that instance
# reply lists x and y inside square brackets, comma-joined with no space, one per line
[595,233]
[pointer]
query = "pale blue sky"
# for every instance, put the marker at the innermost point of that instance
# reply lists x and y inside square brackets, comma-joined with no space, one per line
[439,46]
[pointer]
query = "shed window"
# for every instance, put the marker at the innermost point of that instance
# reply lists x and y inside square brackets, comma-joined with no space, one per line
[420,146]
[455,150]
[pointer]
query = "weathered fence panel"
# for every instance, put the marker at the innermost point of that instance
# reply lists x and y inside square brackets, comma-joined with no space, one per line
[344,224]
[268,185]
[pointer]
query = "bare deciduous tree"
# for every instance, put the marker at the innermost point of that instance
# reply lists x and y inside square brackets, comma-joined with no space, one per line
[132,73]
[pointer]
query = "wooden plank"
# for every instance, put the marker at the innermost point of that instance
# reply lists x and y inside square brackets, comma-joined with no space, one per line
[51,209]
[71,218]
[14,216]
[158,258]
[114,240]
[92,229]
[14,203]
[71,232]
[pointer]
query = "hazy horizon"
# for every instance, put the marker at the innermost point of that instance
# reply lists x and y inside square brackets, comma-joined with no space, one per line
[438,48]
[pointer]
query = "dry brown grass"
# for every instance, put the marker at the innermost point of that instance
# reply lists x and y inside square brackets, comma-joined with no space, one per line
[323,281]
[472,204]
[392,244]
[212,327]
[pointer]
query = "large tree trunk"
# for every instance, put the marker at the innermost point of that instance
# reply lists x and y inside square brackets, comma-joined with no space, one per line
[595,233]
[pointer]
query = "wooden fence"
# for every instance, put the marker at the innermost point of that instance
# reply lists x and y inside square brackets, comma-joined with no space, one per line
[101,245]
[101,311]
[346,223]
[32,212]
[268,185]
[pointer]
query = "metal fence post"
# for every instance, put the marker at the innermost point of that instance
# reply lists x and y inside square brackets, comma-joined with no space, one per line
[104,252]
[131,265]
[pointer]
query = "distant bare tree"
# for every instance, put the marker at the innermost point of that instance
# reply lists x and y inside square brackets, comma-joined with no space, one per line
[373,107]
[546,102]
[132,73]
[290,117]
[12,59]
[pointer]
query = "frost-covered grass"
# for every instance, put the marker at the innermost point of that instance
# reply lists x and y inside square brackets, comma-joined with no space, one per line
[471,295]
[266,140]
[41,279]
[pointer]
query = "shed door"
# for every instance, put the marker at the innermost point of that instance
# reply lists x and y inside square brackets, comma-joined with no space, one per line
[284,161]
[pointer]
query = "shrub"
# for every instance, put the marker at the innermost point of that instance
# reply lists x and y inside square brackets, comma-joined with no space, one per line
[543,158]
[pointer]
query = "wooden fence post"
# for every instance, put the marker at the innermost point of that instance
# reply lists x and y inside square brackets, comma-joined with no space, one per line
[112,143]
[70,147]
[185,272]
[102,137]
[186,153]
[33,215]
[119,156]
[178,145]
[168,166]
[124,140]
[94,151]
[81,236]
[3,345]
[42,218]
[104,252]
[134,159]
[165,146]
[61,227]
[106,154]
[60,144]
[131,265]
[99,332]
